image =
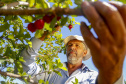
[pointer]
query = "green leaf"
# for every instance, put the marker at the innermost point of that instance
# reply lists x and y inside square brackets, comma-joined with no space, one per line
[60,1]
[53,22]
[21,31]
[13,43]
[30,19]
[42,3]
[24,74]
[7,51]
[29,43]
[21,59]
[78,2]
[73,19]
[76,80]
[47,82]
[4,27]
[27,18]
[27,35]
[124,1]
[41,81]
[31,3]
[9,17]
[73,15]
[8,1]
[38,34]
[11,36]
[64,20]
[58,73]
[47,27]
[77,23]
[63,68]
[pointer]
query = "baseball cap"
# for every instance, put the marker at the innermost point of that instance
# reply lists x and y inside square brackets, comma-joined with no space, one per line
[80,38]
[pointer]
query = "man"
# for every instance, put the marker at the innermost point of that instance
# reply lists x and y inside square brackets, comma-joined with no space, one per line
[107,50]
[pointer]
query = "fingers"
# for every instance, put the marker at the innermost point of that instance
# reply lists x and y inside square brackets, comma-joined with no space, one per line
[57,28]
[121,8]
[90,40]
[112,18]
[46,34]
[97,23]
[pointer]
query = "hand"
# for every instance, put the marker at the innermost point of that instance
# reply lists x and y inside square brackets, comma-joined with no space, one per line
[46,33]
[109,49]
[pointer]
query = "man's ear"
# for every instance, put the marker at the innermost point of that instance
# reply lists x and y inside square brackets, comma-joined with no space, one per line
[84,53]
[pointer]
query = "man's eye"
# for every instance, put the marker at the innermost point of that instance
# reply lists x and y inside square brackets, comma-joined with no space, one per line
[70,45]
[78,45]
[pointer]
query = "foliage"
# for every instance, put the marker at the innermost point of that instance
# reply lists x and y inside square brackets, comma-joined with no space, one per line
[76,81]
[14,36]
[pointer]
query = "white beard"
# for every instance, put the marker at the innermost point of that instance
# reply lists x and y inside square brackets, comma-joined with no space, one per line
[73,60]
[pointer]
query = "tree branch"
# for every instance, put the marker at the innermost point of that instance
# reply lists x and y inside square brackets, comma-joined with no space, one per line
[31,11]
[16,76]
[10,74]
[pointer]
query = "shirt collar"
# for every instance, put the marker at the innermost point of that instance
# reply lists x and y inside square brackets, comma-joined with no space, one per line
[84,68]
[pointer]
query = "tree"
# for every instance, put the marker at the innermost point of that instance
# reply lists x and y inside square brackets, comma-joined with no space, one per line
[14,36]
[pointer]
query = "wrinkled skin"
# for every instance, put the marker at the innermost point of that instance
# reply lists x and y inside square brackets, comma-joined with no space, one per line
[109,49]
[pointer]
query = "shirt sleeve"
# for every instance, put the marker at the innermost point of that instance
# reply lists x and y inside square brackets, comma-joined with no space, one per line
[93,78]
[29,55]
[120,80]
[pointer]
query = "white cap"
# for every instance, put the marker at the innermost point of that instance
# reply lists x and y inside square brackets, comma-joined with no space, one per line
[80,38]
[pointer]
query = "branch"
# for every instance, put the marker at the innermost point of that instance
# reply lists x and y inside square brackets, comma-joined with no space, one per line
[31,11]
[10,74]
[16,76]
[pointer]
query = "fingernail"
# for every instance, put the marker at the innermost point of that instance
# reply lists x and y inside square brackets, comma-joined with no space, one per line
[110,6]
[85,3]
[82,26]
[116,2]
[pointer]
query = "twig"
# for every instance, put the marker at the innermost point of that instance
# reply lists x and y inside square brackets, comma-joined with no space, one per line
[31,11]
[10,74]
[16,76]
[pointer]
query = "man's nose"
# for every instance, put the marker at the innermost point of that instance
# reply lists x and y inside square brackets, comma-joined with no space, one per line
[73,47]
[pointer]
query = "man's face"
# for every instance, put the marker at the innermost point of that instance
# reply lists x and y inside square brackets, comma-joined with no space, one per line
[75,51]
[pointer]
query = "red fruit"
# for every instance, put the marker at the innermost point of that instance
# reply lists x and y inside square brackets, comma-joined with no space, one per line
[58,18]
[48,18]
[31,27]
[70,26]
[52,16]
[39,24]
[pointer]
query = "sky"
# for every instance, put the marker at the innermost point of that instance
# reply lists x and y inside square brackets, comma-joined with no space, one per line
[76,31]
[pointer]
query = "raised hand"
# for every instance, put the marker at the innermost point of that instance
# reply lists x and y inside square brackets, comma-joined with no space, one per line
[109,49]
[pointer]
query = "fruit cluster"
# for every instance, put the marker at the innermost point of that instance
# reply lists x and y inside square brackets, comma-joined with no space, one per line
[39,24]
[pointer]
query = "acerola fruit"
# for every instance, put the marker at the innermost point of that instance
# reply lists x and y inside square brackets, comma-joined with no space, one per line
[52,16]
[58,18]
[31,27]
[70,26]
[48,18]
[39,24]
